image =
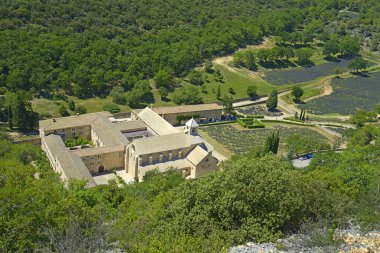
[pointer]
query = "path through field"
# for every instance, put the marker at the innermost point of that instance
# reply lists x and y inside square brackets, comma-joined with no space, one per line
[226,61]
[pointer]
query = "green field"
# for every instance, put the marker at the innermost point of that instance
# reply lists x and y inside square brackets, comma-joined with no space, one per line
[45,106]
[237,79]
[238,140]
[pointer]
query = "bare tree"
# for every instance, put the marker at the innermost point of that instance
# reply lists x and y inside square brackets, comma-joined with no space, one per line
[80,236]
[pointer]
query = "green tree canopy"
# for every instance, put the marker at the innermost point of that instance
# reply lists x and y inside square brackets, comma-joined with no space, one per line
[272,100]
[297,92]
[358,64]
[187,94]
[252,91]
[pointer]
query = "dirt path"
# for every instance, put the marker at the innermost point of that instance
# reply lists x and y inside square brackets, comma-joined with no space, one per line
[327,90]
[226,61]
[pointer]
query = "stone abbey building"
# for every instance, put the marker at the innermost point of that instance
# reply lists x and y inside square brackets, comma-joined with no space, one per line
[137,144]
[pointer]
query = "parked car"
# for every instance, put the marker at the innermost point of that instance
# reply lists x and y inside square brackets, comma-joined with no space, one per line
[305,157]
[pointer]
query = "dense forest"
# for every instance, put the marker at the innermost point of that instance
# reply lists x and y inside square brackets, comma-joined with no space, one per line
[90,48]
[255,197]
[86,47]
[94,48]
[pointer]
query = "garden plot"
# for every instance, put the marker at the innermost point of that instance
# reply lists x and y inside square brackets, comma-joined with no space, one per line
[303,74]
[349,95]
[258,110]
[241,141]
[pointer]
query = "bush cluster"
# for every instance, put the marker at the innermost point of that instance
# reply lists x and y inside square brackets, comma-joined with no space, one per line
[250,123]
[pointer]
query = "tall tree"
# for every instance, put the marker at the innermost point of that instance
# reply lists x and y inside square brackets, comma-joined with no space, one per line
[358,64]
[163,79]
[19,109]
[272,100]
[297,92]
[218,92]
[252,92]
[195,77]
[272,142]
[227,105]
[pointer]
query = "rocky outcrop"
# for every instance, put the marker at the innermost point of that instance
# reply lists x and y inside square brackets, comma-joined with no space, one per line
[345,241]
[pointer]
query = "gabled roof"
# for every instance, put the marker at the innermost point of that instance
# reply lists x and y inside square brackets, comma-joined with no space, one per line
[97,151]
[71,165]
[187,108]
[55,144]
[156,144]
[74,168]
[71,121]
[192,123]
[129,126]
[106,131]
[156,122]
[197,155]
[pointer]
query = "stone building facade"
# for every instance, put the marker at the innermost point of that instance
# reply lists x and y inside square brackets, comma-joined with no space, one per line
[178,115]
[139,144]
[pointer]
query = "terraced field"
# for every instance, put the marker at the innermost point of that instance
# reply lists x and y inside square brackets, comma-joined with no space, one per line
[241,141]
[339,130]
[349,95]
[303,74]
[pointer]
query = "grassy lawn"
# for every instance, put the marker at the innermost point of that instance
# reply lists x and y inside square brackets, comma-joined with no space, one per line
[311,89]
[45,106]
[239,140]
[238,80]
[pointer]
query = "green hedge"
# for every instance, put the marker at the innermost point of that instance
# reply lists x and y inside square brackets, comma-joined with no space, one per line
[242,122]
[218,123]
[252,116]
[287,122]
[250,123]
[256,124]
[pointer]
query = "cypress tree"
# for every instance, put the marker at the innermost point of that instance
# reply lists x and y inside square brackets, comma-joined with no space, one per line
[272,142]
[276,142]
[218,93]
[272,100]
[300,117]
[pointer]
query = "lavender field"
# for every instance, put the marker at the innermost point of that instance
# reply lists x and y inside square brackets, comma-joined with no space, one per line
[349,95]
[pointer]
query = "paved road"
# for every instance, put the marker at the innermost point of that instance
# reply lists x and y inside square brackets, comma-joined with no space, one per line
[249,102]
[257,101]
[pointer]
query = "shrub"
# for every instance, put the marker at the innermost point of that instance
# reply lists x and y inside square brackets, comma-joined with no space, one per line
[118,96]
[256,124]
[76,141]
[218,123]
[241,122]
[258,116]
[63,111]
[286,122]
[80,109]
[250,123]
[112,108]
[71,105]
